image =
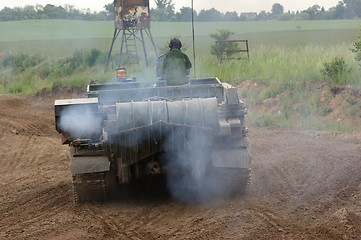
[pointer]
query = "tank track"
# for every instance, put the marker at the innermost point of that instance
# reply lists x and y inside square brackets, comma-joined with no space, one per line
[246,182]
[238,180]
[89,187]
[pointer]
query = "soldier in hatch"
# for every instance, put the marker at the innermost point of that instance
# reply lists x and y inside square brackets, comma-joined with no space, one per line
[175,64]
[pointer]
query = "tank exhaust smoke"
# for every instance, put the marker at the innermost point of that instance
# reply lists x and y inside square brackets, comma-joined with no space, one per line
[80,122]
[191,178]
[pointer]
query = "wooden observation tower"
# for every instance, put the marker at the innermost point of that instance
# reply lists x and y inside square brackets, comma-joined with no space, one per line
[132,20]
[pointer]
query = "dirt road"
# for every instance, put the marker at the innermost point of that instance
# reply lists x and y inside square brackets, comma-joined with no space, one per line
[305,185]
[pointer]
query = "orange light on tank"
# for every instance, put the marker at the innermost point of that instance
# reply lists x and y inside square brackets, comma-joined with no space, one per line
[121,73]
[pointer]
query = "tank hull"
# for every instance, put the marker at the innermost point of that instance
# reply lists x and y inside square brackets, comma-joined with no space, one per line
[194,132]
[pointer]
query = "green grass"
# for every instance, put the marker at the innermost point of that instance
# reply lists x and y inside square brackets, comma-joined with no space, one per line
[60,38]
[280,68]
[53,30]
[72,29]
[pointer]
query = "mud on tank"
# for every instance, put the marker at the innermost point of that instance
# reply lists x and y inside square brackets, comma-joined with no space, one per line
[124,133]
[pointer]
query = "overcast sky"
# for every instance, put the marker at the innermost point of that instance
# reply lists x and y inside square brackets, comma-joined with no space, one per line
[221,5]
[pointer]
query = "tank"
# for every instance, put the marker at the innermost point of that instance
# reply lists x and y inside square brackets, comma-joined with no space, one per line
[193,135]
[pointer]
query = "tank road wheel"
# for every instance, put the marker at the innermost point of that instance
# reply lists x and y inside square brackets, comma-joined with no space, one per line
[89,187]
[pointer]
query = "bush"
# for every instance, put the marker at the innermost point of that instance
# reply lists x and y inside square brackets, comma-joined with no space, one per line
[222,47]
[24,73]
[44,70]
[20,62]
[15,88]
[326,110]
[336,70]
[79,61]
[93,57]
[357,49]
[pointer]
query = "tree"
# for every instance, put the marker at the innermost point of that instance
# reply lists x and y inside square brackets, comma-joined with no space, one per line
[339,11]
[161,3]
[29,12]
[277,9]
[49,12]
[262,16]
[356,5]
[285,17]
[109,8]
[353,8]
[8,14]
[218,49]
[158,15]
[302,16]
[164,10]
[231,16]
[211,15]
[185,14]
[313,11]
[54,12]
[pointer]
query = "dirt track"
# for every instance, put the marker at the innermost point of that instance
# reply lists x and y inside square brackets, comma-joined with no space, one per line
[305,185]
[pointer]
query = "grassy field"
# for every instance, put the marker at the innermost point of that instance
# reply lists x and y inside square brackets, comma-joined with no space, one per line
[284,57]
[54,39]
[274,46]
[60,38]
[70,29]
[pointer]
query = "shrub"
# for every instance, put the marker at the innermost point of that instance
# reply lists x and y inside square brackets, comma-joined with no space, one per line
[20,62]
[79,61]
[357,49]
[44,70]
[326,110]
[220,48]
[336,70]
[15,88]
[93,57]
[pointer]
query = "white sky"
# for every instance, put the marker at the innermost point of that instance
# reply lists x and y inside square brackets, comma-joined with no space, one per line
[221,5]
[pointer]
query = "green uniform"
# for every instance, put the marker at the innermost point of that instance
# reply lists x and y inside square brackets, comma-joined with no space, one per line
[174,67]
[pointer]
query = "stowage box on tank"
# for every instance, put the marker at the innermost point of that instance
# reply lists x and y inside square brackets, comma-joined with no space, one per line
[123,133]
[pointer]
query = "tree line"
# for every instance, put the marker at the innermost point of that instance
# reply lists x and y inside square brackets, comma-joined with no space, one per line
[50,11]
[346,9]
[165,11]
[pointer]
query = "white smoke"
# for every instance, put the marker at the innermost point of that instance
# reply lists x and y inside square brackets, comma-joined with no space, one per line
[80,122]
[191,178]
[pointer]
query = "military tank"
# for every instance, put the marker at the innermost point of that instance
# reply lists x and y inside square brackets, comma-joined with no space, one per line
[193,134]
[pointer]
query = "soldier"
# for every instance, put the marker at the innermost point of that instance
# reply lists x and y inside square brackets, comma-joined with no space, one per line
[175,64]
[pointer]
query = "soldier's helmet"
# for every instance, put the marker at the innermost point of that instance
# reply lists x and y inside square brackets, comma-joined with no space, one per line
[175,43]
